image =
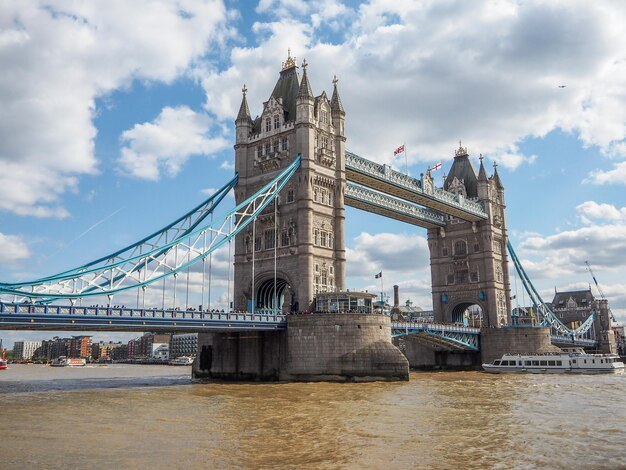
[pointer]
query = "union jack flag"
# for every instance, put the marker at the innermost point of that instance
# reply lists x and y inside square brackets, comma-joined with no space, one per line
[398,150]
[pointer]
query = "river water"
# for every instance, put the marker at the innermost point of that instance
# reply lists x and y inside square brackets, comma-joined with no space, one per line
[125,416]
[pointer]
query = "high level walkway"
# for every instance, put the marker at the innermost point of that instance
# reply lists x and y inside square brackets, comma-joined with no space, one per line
[386,180]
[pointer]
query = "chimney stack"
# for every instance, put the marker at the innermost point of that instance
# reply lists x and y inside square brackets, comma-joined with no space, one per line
[396,296]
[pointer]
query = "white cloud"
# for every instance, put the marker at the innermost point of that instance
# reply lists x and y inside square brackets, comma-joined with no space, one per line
[615,176]
[590,211]
[602,245]
[208,191]
[164,145]
[415,72]
[388,252]
[58,57]
[12,248]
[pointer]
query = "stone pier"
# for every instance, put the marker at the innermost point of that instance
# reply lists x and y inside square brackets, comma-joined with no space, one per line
[319,347]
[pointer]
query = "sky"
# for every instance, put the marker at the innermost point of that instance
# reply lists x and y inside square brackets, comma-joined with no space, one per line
[116,117]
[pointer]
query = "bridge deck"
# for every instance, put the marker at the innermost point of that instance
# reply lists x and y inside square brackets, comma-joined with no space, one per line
[54,317]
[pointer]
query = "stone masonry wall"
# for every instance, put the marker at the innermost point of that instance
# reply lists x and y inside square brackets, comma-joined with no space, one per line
[494,342]
[343,347]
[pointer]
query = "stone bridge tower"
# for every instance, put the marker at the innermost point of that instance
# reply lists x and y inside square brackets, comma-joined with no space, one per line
[469,263]
[306,237]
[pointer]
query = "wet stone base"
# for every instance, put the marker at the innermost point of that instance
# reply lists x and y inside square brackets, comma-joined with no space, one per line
[324,347]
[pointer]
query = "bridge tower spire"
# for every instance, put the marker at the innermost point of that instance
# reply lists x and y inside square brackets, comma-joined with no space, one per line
[308,218]
[469,263]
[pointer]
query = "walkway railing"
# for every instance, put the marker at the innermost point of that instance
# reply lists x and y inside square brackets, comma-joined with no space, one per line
[116,318]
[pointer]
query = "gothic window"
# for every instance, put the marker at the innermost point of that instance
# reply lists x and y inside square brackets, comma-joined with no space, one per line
[324,142]
[330,198]
[444,251]
[317,237]
[317,268]
[324,196]
[498,273]
[257,244]
[461,276]
[268,124]
[324,117]
[315,194]
[450,278]
[476,247]
[497,245]
[284,238]
[259,151]
[276,122]
[330,270]
[269,239]
[460,248]
[291,195]
[330,241]
[284,144]
[323,279]
[323,238]
[474,276]
[275,146]
[267,148]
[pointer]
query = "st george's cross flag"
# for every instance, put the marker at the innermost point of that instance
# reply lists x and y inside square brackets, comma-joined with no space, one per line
[436,167]
[398,150]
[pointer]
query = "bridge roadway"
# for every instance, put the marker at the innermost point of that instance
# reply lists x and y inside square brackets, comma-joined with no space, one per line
[25,316]
[386,180]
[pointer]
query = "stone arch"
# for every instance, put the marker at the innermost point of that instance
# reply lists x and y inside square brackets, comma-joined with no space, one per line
[284,297]
[468,312]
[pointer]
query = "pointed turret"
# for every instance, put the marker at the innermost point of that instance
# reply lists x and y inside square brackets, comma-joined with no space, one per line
[496,177]
[305,93]
[482,174]
[243,123]
[335,102]
[244,111]
[304,99]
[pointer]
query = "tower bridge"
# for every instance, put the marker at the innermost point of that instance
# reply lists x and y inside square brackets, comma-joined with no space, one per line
[294,178]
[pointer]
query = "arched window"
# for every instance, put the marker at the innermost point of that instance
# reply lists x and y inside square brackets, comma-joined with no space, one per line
[460,247]
[268,124]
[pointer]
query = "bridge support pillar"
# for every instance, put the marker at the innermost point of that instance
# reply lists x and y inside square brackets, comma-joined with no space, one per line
[321,347]
[494,342]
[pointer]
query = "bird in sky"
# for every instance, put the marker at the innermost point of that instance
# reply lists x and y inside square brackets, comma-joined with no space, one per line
[562,86]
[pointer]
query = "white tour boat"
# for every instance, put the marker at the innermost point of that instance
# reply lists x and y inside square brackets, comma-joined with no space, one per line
[63,361]
[182,361]
[572,360]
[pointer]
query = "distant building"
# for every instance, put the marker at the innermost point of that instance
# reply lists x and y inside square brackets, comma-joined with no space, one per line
[24,350]
[80,346]
[105,349]
[184,345]
[53,348]
[573,307]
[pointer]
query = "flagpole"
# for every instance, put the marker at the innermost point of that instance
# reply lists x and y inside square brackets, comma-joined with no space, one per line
[406,160]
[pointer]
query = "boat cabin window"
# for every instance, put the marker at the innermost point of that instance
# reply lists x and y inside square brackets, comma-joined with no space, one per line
[593,361]
[526,363]
[496,363]
[505,363]
[573,361]
[551,363]
[559,363]
[543,363]
[601,361]
[535,363]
